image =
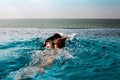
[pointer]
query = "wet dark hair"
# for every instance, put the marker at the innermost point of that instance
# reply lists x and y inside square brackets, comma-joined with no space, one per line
[56,35]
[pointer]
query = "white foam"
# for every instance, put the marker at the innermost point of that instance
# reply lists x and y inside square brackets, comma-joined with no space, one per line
[72,36]
[63,53]
[41,57]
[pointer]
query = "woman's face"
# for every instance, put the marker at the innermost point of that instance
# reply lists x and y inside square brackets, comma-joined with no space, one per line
[49,44]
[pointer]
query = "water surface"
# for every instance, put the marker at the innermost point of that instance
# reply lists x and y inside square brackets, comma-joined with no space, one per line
[90,54]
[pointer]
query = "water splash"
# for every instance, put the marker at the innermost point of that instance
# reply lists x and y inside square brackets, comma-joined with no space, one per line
[41,60]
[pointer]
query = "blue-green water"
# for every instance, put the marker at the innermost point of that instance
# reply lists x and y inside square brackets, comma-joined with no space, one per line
[90,54]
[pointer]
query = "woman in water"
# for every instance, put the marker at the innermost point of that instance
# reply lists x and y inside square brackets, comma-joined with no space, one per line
[56,41]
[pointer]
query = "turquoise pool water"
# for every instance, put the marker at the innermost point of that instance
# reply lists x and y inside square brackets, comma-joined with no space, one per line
[90,54]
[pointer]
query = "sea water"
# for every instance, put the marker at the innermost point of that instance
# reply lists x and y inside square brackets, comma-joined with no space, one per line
[89,54]
[61,23]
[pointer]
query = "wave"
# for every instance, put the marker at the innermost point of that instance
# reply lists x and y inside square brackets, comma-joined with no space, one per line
[84,57]
[40,58]
[36,57]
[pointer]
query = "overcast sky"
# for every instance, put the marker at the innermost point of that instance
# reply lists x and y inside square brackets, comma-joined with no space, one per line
[59,8]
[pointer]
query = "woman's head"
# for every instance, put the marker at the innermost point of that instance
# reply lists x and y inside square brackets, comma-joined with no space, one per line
[56,35]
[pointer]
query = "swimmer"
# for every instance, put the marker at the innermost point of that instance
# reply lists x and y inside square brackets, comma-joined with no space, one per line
[49,42]
[56,41]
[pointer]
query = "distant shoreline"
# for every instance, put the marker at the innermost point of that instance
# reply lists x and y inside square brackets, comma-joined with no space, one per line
[60,23]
